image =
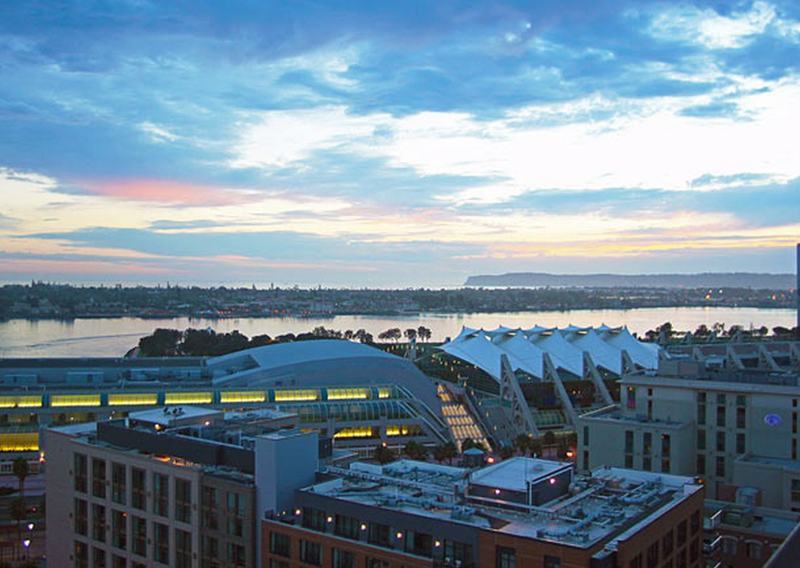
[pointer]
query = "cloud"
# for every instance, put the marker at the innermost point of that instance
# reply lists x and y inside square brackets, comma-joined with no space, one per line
[395,135]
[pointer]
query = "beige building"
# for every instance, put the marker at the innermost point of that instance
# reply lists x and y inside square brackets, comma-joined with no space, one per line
[736,430]
[167,487]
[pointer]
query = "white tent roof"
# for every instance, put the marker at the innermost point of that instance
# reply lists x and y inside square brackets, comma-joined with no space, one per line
[603,354]
[525,348]
[643,354]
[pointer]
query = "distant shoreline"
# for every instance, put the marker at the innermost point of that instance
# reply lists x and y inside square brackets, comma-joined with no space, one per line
[389,314]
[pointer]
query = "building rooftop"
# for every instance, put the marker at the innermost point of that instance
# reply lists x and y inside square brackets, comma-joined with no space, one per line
[614,412]
[769,461]
[173,416]
[595,508]
[515,474]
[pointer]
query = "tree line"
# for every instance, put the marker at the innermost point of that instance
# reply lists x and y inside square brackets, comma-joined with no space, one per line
[208,343]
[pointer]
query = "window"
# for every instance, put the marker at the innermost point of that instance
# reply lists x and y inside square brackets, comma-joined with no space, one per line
[795,496]
[720,440]
[119,478]
[740,443]
[729,545]
[667,543]
[81,555]
[629,461]
[720,469]
[139,533]
[343,559]
[210,547]
[235,526]
[311,552]
[99,523]
[701,412]
[636,562]
[98,558]
[458,552]
[753,549]
[235,504]
[81,514]
[346,526]
[701,398]
[647,463]
[741,417]
[99,477]
[161,543]
[701,464]
[378,534]
[720,398]
[681,532]
[694,523]
[694,550]
[419,543]
[183,549]
[314,519]
[80,477]
[235,554]
[631,398]
[721,416]
[740,400]
[138,494]
[628,441]
[118,562]
[552,561]
[701,439]
[160,494]
[647,443]
[586,435]
[505,557]
[378,563]
[652,555]
[183,500]
[119,529]
[209,503]
[280,544]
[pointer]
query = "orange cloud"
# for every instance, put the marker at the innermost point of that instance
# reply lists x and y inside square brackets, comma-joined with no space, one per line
[165,192]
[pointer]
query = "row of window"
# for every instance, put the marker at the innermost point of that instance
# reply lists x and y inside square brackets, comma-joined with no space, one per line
[414,542]
[138,487]
[312,554]
[160,549]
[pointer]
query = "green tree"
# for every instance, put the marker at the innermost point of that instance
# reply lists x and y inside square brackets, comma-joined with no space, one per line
[383,454]
[522,443]
[415,451]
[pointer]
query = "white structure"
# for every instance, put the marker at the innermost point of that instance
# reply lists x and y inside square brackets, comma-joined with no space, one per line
[610,349]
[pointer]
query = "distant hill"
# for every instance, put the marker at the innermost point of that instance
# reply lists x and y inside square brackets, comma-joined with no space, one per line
[703,280]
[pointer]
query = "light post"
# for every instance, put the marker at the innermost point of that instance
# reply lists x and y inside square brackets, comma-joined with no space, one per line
[27,544]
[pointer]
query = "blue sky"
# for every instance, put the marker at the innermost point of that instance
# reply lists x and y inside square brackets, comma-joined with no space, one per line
[396,144]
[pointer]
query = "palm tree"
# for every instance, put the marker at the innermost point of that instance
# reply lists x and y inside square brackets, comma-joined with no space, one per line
[21,470]
[18,513]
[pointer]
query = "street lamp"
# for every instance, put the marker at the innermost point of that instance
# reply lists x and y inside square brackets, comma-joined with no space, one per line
[30,526]
[27,544]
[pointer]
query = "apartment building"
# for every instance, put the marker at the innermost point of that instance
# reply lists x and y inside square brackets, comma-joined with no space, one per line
[518,512]
[736,430]
[167,487]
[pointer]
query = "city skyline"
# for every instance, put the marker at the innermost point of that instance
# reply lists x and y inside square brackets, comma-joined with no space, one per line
[357,144]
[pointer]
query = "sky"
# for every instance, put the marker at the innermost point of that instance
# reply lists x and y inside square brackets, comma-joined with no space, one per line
[401,144]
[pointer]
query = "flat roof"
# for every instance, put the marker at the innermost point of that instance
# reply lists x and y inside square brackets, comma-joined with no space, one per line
[516,473]
[169,415]
[609,504]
